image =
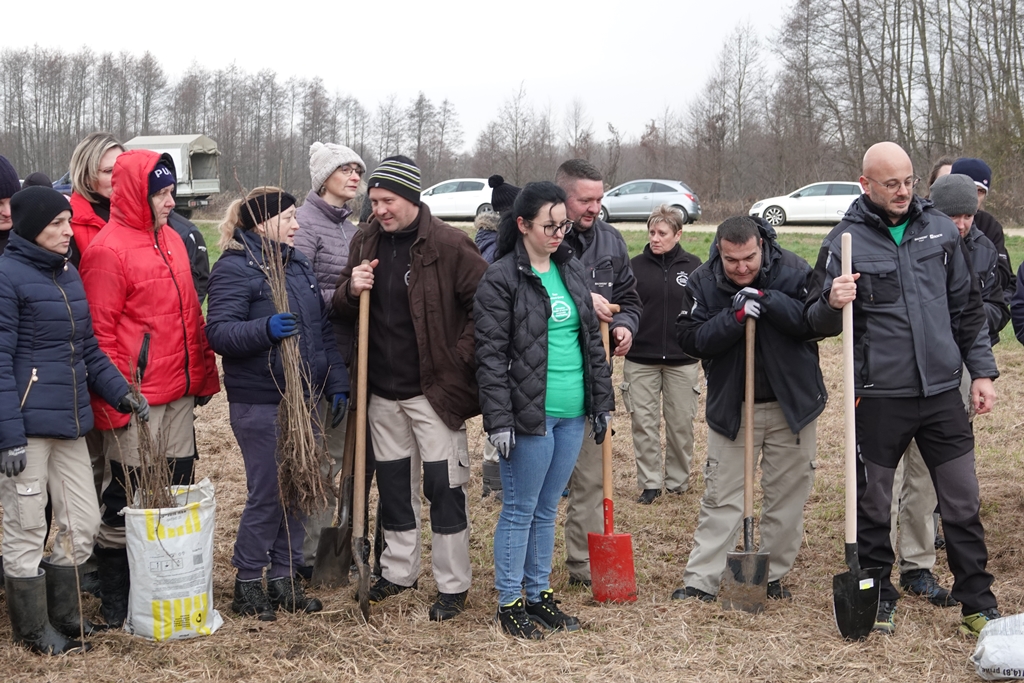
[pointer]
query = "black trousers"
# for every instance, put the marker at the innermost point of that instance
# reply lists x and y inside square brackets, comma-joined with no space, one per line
[939,423]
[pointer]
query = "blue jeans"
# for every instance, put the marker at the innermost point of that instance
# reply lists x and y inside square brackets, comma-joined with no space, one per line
[532,480]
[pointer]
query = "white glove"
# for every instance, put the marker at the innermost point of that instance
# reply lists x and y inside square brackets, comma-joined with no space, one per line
[503,440]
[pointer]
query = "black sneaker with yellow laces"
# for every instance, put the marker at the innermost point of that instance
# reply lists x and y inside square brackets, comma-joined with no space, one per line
[547,614]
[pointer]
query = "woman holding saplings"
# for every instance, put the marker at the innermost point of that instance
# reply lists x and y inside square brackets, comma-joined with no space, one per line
[246,329]
[49,360]
[542,372]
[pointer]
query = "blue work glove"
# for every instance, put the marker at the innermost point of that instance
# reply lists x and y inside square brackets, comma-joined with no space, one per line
[130,404]
[503,440]
[281,326]
[600,427]
[338,404]
[202,400]
[13,461]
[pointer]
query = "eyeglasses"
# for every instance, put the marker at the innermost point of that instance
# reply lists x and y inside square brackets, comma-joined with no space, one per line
[349,169]
[564,227]
[894,185]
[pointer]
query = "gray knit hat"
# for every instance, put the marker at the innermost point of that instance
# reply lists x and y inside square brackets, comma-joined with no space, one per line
[955,194]
[325,159]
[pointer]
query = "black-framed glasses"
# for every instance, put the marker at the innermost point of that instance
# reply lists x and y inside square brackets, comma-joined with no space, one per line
[564,227]
[893,186]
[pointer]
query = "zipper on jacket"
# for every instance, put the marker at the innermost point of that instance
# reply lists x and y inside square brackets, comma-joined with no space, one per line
[71,342]
[28,387]
[181,308]
[664,310]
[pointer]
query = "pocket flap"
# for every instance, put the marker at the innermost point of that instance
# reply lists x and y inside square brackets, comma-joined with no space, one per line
[875,267]
[28,487]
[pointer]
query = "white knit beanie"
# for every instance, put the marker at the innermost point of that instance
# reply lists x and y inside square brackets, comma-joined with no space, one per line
[325,159]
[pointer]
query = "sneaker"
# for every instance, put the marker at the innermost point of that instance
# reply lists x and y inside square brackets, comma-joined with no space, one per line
[885,621]
[516,622]
[448,605]
[384,589]
[648,496]
[579,582]
[776,591]
[287,593]
[687,592]
[922,582]
[547,614]
[971,624]
[252,601]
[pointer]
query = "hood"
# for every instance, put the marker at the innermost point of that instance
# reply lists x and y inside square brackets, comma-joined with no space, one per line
[769,255]
[861,211]
[487,221]
[129,203]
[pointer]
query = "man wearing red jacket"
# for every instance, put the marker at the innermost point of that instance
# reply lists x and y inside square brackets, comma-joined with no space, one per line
[146,316]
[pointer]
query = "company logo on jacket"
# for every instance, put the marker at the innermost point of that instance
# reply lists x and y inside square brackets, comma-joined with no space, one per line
[682,278]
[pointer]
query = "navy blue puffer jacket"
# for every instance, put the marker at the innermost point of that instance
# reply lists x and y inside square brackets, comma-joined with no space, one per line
[46,331]
[238,308]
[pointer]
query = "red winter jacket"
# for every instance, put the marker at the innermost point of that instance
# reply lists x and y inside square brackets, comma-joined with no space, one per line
[140,281]
[84,221]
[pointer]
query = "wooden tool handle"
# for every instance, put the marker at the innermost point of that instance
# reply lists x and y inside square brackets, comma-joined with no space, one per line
[359,470]
[748,418]
[606,446]
[849,402]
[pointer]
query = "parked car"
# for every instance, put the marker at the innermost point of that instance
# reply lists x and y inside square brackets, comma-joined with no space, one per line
[637,198]
[458,198]
[814,203]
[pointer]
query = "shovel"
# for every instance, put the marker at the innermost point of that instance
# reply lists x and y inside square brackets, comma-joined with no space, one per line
[612,575]
[745,581]
[855,593]
[359,469]
[334,550]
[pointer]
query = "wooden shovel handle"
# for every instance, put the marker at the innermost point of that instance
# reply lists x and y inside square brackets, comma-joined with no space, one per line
[849,401]
[359,473]
[606,447]
[748,418]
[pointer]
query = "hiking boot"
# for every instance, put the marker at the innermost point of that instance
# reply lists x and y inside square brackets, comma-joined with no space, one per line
[971,624]
[547,614]
[922,582]
[687,592]
[384,589]
[30,622]
[648,496]
[252,601]
[579,582]
[286,593]
[115,582]
[448,605]
[516,622]
[776,591]
[885,620]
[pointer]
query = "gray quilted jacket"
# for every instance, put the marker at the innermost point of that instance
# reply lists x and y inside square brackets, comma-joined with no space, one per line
[324,236]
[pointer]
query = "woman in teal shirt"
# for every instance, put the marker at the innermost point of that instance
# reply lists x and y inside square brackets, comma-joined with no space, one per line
[542,372]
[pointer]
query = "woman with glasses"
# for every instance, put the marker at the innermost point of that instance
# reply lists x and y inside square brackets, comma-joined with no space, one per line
[542,372]
[336,172]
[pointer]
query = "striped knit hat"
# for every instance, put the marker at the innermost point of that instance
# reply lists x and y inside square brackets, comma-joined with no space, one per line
[398,174]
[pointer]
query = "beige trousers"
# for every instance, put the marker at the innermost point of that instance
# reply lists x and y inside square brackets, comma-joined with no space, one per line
[334,439]
[585,510]
[645,389]
[61,467]
[787,476]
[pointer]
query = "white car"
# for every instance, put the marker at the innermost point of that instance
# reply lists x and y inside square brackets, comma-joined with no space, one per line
[814,203]
[458,198]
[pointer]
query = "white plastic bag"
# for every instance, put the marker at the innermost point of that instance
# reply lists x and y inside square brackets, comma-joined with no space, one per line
[999,655]
[170,555]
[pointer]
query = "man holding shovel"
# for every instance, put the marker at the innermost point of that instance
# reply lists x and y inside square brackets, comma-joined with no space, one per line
[750,276]
[918,319]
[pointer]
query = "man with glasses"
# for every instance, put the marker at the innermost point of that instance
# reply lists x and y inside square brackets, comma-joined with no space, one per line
[918,319]
[605,259]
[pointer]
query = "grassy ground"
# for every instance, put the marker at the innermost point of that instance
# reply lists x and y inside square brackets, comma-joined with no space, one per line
[653,639]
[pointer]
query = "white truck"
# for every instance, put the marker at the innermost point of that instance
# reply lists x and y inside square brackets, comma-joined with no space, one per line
[195,161]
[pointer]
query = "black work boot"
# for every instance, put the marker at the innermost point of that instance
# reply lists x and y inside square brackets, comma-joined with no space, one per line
[448,605]
[252,601]
[287,594]
[62,602]
[115,580]
[30,625]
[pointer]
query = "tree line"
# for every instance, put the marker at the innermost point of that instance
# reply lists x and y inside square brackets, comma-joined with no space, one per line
[778,111]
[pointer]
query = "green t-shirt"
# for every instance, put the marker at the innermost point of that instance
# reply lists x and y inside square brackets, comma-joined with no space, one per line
[564,396]
[897,231]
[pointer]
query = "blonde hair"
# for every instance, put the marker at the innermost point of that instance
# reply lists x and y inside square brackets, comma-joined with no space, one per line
[233,216]
[85,162]
[666,214]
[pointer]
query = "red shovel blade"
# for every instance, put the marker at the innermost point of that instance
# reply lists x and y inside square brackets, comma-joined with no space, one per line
[611,564]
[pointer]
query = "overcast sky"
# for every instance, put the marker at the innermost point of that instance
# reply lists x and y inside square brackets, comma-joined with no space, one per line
[626,61]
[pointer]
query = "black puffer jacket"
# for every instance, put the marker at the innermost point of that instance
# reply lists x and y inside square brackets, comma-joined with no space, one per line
[660,281]
[511,311]
[707,328]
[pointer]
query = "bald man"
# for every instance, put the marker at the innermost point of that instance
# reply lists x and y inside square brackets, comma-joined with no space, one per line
[918,316]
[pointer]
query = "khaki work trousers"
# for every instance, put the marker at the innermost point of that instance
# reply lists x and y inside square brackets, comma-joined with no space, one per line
[585,510]
[645,389]
[787,476]
[334,439]
[60,467]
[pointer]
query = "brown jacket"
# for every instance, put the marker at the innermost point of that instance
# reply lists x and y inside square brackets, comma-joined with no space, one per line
[446,268]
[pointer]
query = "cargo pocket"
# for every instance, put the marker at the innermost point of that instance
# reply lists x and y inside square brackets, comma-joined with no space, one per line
[879,282]
[458,459]
[711,482]
[31,504]
[627,398]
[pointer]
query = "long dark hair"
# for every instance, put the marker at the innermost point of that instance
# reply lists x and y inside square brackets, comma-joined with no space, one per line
[527,205]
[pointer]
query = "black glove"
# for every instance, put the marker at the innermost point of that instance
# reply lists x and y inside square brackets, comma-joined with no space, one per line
[600,425]
[338,404]
[203,400]
[129,404]
[13,461]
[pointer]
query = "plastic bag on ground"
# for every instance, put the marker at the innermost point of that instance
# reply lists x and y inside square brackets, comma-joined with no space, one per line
[999,655]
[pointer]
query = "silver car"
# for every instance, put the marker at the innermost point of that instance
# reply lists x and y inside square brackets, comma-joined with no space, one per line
[638,198]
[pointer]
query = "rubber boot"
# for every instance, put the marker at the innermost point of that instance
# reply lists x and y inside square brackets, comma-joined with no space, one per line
[62,602]
[492,480]
[182,471]
[115,581]
[30,625]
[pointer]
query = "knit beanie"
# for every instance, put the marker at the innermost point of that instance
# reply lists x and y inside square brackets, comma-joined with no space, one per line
[33,208]
[39,179]
[261,208]
[955,194]
[9,183]
[977,169]
[159,178]
[398,174]
[502,194]
[325,159]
